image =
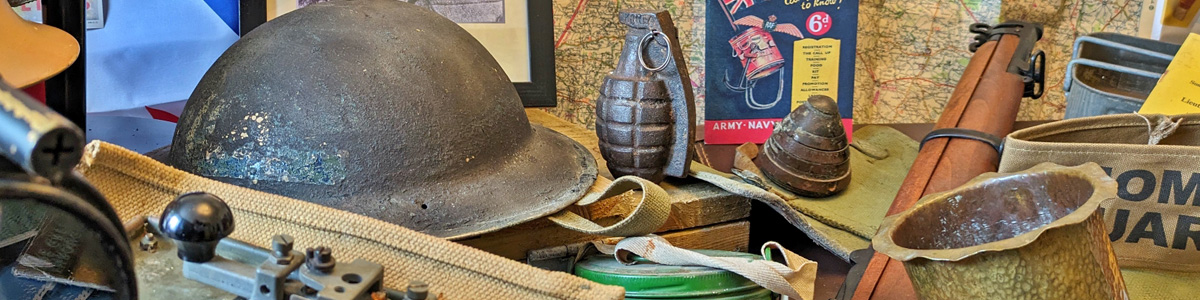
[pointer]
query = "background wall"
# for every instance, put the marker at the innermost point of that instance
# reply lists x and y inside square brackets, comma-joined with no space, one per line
[910,53]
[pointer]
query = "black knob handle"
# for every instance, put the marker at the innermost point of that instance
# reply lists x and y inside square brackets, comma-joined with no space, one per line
[196,221]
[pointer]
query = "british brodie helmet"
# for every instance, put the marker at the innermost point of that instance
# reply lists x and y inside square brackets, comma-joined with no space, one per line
[384,109]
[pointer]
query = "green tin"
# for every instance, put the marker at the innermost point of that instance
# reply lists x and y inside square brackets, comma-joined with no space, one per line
[647,280]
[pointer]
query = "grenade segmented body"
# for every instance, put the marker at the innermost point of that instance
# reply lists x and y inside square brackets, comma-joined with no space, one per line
[633,122]
[644,112]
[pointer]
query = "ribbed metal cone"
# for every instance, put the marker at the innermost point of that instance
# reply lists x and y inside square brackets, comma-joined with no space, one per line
[808,153]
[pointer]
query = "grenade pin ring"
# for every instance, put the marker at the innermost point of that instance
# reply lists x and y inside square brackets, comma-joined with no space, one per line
[643,45]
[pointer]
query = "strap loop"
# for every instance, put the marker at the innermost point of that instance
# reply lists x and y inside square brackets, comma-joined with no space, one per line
[793,279]
[650,214]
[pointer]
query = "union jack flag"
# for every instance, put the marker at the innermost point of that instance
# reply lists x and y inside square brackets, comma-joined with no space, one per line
[738,4]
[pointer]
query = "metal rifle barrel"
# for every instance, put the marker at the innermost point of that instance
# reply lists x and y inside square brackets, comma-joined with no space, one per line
[986,99]
[36,138]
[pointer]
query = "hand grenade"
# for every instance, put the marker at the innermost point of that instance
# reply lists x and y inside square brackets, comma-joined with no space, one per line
[645,110]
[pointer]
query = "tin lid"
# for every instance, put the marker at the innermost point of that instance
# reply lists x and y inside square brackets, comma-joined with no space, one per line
[645,279]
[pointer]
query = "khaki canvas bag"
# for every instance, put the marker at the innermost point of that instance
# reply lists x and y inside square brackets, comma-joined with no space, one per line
[138,186]
[1155,160]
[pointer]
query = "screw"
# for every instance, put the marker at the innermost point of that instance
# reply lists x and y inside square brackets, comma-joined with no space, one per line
[282,246]
[149,243]
[417,290]
[324,254]
[320,259]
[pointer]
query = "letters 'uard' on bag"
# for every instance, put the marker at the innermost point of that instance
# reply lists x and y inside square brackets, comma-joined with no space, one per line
[1155,160]
[380,108]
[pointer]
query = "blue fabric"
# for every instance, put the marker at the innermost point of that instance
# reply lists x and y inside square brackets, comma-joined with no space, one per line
[227,10]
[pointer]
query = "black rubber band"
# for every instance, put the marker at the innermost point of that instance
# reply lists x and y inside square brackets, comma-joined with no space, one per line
[987,138]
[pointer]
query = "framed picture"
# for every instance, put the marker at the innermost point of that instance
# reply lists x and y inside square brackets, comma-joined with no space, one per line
[518,33]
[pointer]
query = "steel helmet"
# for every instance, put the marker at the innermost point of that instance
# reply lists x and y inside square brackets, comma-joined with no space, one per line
[381,108]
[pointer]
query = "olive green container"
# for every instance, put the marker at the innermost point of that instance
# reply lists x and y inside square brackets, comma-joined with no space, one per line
[647,280]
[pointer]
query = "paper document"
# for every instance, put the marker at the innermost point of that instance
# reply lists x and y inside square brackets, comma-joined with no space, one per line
[1178,91]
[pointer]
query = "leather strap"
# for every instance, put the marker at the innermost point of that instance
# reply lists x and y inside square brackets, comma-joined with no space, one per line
[963,133]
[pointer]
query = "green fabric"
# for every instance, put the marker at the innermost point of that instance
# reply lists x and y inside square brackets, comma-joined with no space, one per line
[879,160]
[874,182]
[837,241]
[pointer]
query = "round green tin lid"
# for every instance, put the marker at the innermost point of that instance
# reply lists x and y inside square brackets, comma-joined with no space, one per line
[647,280]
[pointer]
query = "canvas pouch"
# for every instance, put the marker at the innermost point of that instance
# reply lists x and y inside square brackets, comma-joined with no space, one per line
[1155,160]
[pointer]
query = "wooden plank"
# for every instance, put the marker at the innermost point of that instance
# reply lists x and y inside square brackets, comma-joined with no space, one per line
[694,204]
[733,236]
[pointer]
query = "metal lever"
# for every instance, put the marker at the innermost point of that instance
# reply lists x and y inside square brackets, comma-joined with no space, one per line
[1031,67]
[1035,76]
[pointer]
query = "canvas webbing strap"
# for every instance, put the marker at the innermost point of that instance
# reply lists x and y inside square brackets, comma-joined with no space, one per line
[650,214]
[793,279]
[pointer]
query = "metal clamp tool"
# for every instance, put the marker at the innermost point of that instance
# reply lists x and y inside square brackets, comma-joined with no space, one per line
[199,223]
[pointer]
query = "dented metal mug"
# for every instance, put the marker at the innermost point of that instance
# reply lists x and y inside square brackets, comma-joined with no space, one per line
[1035,234]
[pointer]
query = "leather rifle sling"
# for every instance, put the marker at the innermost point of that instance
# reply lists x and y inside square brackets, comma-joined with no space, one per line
[986,99]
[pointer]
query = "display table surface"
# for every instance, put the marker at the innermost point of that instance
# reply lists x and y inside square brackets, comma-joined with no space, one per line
[702,217]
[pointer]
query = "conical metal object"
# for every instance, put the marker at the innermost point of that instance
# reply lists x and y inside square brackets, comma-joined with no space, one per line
[808,153]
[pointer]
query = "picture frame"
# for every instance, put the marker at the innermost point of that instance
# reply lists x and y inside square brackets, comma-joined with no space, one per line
[541,91]
[536,84]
